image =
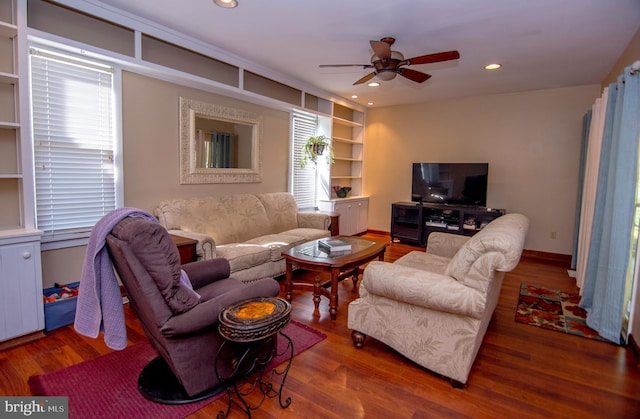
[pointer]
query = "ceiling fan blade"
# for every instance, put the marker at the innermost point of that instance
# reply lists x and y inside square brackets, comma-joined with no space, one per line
[345,65]
[381,49]
[431,58]
[414,75]
[365,78]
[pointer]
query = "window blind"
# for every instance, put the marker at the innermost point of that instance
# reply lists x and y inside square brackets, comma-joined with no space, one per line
[74,141]
[304,179]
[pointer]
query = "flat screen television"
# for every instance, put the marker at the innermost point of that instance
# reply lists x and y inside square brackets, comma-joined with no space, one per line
[450,183]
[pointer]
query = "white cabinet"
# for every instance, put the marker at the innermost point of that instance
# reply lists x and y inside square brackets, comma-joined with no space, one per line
[21,306]
[353,213]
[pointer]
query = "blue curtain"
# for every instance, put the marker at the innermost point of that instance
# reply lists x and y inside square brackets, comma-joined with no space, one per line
[586,124]
[603,289]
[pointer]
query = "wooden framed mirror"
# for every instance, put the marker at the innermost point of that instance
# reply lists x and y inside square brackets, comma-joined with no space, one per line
[219,144]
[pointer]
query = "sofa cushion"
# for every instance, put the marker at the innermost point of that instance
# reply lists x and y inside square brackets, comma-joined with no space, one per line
[247,216]
[281,210]
[244,255]
[277,243]
[227,219]
[307,234]
[404,284]
[424,261]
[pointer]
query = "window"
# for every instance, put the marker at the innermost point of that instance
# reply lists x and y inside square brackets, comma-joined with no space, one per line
[73,113]
[303,182]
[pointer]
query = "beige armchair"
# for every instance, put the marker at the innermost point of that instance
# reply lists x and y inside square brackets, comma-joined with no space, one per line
[434,307]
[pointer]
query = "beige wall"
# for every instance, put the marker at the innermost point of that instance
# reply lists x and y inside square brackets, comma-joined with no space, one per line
[531,141]
[150,126]
[628,57]
[151,143]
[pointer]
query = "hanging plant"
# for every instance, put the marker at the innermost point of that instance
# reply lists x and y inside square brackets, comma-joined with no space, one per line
[315,147]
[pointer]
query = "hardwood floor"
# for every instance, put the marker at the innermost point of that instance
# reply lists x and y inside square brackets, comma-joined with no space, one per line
[521,371]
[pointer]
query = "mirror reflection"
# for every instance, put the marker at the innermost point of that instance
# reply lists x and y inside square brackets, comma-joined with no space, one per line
[222,144]
[218,144]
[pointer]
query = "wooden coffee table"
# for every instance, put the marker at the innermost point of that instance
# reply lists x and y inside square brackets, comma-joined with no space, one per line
[310,256]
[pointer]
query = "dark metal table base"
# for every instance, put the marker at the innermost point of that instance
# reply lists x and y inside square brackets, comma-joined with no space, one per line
[249,363]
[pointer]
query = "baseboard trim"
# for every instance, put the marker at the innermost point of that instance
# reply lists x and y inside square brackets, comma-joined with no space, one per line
[547,256]
[635,349]
[21,340]
[380,232]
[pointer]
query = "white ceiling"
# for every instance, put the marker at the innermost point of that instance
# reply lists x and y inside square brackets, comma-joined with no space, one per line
[541,43]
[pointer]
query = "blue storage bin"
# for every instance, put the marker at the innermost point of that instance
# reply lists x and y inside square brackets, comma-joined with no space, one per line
[60,312]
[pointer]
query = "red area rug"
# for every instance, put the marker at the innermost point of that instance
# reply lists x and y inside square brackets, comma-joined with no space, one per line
[553,310]
[107,387]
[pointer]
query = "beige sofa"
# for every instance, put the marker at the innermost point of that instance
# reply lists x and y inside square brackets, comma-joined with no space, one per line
[250,231]
[434,307]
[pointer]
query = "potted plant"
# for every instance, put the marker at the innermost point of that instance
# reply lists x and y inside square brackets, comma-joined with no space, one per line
[342,191]
[315,147]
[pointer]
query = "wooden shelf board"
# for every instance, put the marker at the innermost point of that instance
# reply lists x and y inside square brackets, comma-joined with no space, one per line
[346,122]
[8,78]
[8,30]
[345,140]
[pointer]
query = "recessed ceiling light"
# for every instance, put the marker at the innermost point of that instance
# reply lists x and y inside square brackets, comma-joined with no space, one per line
[493,66]
[369,103]
[227,4]
[354,96]
[373,84]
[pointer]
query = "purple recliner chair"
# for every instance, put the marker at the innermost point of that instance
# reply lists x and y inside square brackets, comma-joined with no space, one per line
[181,323]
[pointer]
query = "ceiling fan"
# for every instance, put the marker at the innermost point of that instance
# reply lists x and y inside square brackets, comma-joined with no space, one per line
[387,64]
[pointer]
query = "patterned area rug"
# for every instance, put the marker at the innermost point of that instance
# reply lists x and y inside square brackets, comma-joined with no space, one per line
[553,310]
[107,387]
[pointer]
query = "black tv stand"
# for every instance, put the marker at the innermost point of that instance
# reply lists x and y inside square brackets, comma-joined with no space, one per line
[414,221]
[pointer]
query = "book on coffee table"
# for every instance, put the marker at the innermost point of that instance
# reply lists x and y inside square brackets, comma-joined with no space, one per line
[334,245]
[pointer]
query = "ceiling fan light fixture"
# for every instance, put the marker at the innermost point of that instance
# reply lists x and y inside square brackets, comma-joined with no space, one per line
[386,75]
[227,4]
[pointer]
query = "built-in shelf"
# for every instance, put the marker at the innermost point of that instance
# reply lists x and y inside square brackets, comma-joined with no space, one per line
[10,176]
[345,140]
[7,30]
[346,122]
[9,125]
[8,78]
[347,137]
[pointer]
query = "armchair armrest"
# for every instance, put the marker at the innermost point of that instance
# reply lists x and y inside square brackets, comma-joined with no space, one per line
[445,244]
[206,247]
[205,314]
[318,220]
[422,288]
[204,272]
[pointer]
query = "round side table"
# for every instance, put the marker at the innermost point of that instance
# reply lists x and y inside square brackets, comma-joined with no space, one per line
[250,329]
